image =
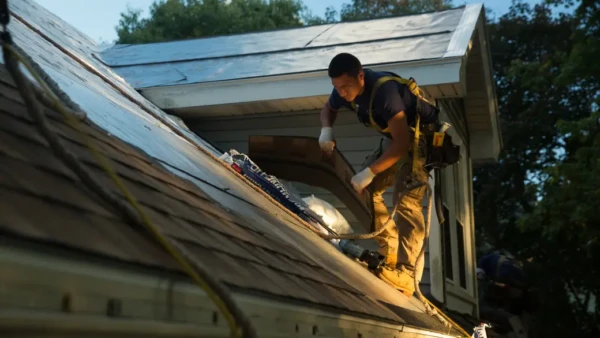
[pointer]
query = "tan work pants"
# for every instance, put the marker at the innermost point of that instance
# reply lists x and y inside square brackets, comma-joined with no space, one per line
[401,251]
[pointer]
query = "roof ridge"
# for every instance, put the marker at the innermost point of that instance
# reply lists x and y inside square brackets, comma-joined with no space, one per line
[287,28]
[296,49]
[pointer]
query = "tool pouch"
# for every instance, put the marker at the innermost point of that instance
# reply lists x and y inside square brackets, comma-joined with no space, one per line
[441,155]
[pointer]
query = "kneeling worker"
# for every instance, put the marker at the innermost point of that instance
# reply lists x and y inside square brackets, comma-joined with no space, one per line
[393,112]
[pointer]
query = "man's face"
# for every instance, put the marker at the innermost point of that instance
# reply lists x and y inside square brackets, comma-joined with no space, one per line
[349,87]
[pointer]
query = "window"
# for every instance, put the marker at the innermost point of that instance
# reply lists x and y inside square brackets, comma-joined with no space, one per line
[462,270]
[446,228]
[461,209]
[457,230]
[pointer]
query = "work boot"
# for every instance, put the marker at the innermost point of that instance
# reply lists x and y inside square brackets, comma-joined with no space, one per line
[391,259]
[402,280]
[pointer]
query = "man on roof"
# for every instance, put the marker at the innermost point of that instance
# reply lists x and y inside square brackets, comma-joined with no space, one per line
[393,113]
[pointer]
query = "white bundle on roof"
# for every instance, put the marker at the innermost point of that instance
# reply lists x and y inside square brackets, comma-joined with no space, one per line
[330,215]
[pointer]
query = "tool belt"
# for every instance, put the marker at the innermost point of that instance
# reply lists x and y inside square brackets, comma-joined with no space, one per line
[441,152]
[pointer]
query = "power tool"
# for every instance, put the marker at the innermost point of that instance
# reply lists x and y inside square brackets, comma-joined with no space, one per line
[373,259]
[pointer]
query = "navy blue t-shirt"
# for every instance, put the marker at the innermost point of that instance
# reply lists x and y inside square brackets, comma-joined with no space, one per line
[506,271]
[390,99]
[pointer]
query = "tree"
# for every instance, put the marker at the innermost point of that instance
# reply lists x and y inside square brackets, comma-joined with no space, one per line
[540,200]
[184,19]
[531,103]
[566,218]
[565,224]
[370,9]
[330,17]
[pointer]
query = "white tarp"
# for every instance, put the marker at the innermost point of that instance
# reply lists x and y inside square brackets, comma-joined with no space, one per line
[330,215]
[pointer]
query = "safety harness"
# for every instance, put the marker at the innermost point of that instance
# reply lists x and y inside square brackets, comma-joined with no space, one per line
[411,84]
[445,154]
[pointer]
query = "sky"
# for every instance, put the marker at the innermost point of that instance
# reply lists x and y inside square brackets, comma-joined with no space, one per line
[98,18]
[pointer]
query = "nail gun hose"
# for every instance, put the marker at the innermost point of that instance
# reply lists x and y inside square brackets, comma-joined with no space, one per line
[388,224]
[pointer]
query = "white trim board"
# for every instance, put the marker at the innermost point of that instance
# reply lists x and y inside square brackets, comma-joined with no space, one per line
[464,31]
[431,72]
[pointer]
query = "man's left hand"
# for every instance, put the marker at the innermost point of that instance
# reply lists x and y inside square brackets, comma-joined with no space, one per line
[361,180]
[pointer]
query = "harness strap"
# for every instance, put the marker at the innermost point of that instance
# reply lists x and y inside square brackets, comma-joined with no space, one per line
[416,91]
[415,166]
[410,83]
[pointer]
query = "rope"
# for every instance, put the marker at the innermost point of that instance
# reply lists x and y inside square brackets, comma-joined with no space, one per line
[240,326]
[388,224]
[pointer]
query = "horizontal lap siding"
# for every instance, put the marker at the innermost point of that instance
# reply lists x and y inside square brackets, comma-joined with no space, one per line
[458,198]
[456,112]
[354,140]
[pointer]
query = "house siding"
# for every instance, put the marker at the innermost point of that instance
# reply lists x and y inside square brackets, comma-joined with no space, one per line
[354,141]
[457,196]
[454,108]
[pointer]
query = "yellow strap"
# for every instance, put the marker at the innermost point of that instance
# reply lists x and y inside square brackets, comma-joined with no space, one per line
[415,90]
[410,83]
[415,165]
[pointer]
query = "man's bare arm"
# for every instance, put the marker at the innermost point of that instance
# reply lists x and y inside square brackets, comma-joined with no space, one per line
[399,147]
[328,115]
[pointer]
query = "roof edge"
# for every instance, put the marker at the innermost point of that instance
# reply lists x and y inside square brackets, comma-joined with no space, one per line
[463,34]
[279,51]
[313,73]
[496,110]
[132,55]
[486,146]
[129,285]
[297,85]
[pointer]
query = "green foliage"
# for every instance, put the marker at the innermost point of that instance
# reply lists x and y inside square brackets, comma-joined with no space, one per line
[565,228]
[184,19]
[369,9]
[531,103]
[540,200]
[310,20]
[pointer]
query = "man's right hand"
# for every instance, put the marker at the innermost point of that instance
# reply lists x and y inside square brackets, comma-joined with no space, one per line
[326,140]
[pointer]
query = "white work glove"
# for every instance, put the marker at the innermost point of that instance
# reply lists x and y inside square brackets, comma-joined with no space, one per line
[326,140]
[361,180]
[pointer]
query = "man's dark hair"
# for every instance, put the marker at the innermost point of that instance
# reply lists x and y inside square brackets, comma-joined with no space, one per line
[344,63]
